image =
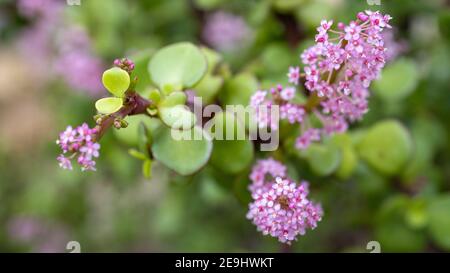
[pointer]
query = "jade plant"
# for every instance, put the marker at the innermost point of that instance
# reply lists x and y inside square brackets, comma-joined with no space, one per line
[153,97]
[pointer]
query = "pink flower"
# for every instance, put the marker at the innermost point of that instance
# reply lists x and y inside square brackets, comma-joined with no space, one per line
[292,112]
[282,210]
[352,31]
[81,71]
[258,98]
[226,32]
[338,72]
[307,138]
[64,162]
[78,142]
[294,75]
[266,169]
[287,93]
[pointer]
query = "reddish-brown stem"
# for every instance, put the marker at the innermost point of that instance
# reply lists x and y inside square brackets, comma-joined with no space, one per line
[134,104]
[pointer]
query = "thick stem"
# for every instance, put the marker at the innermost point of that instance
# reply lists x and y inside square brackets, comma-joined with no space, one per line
[134,105]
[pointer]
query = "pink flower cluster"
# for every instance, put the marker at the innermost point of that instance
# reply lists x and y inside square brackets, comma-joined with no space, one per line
[67,50]
[79,143]
[337,72]
[282,97]
[226,32]
[280,207]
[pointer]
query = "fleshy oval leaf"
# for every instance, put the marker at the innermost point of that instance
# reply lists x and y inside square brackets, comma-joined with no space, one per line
[239,89]
[178,64]
[108,105]
[174,98]
[177,117]
[386,146]
[116,81]
[439,222]
[185,153]
[324,158]
[398,80]
[236,153]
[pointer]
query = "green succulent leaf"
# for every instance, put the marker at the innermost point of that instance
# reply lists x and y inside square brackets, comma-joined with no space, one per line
[398,80]
[212,57]
[180,154]
[349,158]
[238,90]
[108,105]
[174,98]
[386,146]
[231,156]
[439,221]
[116,81]
[208,88]
[324,158]
[178,64]
[177,117]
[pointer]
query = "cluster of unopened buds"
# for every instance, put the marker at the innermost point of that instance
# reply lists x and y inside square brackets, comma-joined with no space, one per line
[124,64]
[280,206]
[337,72]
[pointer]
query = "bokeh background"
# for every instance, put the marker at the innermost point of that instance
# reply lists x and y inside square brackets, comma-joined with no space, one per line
[52,56]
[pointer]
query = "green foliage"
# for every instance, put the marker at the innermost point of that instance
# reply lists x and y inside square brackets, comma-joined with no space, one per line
[116,80]
[398,80]
[324,159]
[349,157]
[239,89]
[108,105]
[177,117]
[386,146]
[180,65]
[439,211]
[231,156]
[183,156]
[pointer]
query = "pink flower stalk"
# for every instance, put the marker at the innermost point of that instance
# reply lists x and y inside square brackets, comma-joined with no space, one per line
[78,143]
[226,32]
[280,207]
[337,72]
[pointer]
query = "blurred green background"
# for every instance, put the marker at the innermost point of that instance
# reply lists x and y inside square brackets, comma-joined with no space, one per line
[50,67]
